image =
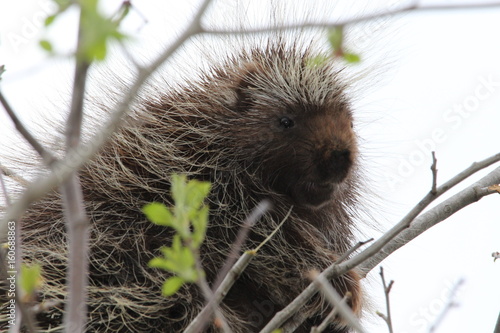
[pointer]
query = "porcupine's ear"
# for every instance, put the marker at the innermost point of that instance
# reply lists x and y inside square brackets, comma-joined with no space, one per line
[244,86]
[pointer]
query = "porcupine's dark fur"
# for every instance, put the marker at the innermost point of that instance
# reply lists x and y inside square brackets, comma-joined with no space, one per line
[267,123]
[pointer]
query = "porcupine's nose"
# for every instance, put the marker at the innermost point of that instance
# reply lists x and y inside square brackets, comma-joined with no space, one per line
[335,167]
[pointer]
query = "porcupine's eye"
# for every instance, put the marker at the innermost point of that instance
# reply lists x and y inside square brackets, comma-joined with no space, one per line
[286,122]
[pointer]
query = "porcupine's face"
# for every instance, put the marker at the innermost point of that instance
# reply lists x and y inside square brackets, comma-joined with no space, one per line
[308,147]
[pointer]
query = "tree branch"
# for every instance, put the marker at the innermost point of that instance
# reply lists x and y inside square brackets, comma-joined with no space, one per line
[11,174]
[214,296]
[77,222]
[411,7]
[432,217]
[233,273]
[449,304]
[387,290]
[47,157]
[434,174]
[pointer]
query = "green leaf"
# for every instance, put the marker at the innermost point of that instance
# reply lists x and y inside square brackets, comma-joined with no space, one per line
[176,243]
[46,45]
[336,37]
[200,222]
[158,214]
[172,285]
[49,20]
[196,192]
[165,264]
[31,278]
[351,58]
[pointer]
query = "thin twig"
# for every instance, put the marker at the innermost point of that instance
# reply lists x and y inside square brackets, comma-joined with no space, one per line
[226,284]
[449,304]
[352,250]
[434,173]
[208,294]
[336,301]
[229,280]
[12,175]
[237,245]
[4,189]
[234,254]
[387,290]
[47,157]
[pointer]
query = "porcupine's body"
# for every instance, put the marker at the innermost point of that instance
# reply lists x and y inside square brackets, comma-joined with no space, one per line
[265,124]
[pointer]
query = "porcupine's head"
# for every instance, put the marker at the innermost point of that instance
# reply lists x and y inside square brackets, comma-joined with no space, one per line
[292,120]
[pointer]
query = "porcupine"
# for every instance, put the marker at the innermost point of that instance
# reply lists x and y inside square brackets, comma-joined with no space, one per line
[267,123]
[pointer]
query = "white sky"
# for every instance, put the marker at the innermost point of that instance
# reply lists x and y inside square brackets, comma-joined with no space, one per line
[434,81]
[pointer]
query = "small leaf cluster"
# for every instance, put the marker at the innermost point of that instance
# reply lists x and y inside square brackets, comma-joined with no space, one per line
[95,30]
[335,38]
[189,218]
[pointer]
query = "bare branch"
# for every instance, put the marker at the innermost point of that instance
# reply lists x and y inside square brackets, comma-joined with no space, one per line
[234,273]
[434,173]
[387,290]
[449,304]
[77,222]
[236,247]
[4,189]
[208,294]
[410,7]
[230,274]
[11,174]
[471,194]
[227,283]
[352,250]
[47,157]
[336,301]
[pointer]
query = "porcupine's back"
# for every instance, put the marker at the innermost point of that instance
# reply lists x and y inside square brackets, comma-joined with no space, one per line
[268,123]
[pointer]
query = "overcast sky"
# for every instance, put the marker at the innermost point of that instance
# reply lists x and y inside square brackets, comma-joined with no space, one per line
[433,83]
